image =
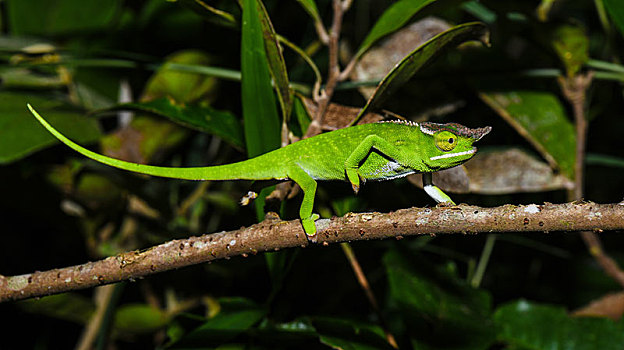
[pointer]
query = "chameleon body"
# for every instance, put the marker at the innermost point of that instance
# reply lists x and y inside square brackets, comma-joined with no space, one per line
[376,151]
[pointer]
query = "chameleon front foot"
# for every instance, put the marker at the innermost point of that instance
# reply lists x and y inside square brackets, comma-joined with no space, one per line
[354,179]
[308,225]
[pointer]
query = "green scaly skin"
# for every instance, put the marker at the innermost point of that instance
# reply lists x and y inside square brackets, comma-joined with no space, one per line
[377,151]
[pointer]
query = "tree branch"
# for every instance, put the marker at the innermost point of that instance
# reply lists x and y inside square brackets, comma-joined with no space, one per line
[274,234]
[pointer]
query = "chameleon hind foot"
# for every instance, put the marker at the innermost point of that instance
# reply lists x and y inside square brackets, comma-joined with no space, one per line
[308,225]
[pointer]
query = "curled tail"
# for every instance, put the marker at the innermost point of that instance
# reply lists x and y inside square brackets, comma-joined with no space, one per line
[234,171]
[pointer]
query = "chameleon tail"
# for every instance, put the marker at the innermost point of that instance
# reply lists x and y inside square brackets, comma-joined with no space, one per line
[241,170]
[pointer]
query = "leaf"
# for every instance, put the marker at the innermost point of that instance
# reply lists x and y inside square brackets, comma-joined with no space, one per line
[48,18]
[142,139]
[499,172]
[237,315]
[139,318]
[512,171]
[67,306]
[541,119]
[526,325]
[339,116]
[572,46]
[413,62]
[377,62]
[438,309]
[604,160]
[20,78]
[391,20]
[616,12]
[275,59]
[182,86]
[310,7]
[480,11]
[610,305]
[261,123]
[344,334]
[197,116]
[21,135]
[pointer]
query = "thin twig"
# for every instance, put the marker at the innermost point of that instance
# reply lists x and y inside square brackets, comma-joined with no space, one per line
[324,96]
[275,234]
[363,281]
[575,91]
[483,261]
[103,296]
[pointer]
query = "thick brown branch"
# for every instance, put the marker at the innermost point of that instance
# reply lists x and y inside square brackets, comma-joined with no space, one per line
[275,234]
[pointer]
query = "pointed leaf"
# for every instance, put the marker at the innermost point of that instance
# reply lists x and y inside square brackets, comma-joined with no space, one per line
[200,117]
[277,65]
[261,122]
[616,12]
[236,315]
[310,7]
[391,20]
[413,62]
[377,62]
[541,119]
[499,171]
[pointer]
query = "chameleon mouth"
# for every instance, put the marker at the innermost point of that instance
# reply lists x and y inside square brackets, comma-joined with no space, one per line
[456,154]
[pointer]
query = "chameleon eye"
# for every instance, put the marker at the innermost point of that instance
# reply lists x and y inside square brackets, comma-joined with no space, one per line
[445,140]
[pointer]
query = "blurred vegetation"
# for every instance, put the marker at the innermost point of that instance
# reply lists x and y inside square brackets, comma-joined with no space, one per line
[197,82]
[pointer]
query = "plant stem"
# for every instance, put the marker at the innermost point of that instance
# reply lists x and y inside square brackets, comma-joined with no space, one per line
[575,90]
[483,261]
[363,281]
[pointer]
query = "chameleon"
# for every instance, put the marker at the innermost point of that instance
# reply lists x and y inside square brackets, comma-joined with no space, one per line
[384,150]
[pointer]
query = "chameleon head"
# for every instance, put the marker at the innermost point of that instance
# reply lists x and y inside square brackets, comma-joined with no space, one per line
[449,145]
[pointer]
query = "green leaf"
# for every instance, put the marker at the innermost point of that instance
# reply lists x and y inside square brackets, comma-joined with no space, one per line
[139,318]
[541,119]
[526,325]
[182,86]
[604,160]
[438,309]
[480,11]
[300,123]
[236,316]
[67,306]
[616,12]
[60,17]
[391,20]
[275,59]
[413,62]
[572,46]
[310,7]
[197,116]
[22,78]
[261,122]
[21,134]
[349,335]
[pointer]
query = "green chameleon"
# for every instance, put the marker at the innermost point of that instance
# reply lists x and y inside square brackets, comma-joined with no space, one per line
[377,151]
